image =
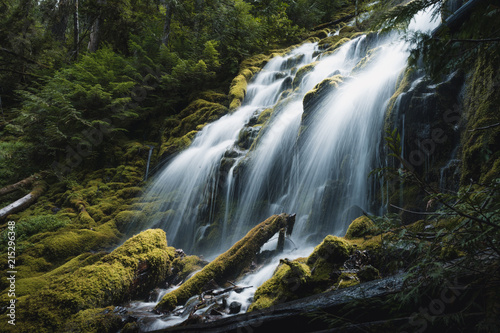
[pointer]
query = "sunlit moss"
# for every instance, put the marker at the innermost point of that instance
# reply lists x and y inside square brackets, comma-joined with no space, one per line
[86,284]
[360,227]
[285,285]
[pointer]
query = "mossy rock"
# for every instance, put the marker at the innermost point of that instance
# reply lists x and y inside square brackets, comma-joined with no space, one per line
[237,91]
[327,42]
[264,116]
[331,50]
[301,73]
[63,244]
[348,29]
[320,34]
[327,258]
[333,249]
[179,133]
[371,55]
[319,91]
[100,320]
[368,273]
[129,221]
[360,227]
[287,284]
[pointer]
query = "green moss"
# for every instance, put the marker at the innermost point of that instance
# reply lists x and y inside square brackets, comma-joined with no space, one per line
[333,249]
[347,280]
[284,286]
[114,278]
[331,49]
[321,89]
[214,97]
[301,73]
[57,246]
[264,116]
[481,153]
[85,220]
[348,29]
[129,221]
[325,43]
[32,225]
[228,265]
[237,91]
[360,227]
[129,192]
[368,273]
[255,63]
[101,320]
[179,133]
[187,265]
[371,55]
[327,257]
[175,144]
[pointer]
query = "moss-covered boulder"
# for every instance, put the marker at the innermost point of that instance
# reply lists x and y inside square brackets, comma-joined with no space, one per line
[320,90]
[368,273]
[301,73]
[100,320]
[179,132]
[289,282]
[326,258]
[132,269]
[333,249]
[360,227]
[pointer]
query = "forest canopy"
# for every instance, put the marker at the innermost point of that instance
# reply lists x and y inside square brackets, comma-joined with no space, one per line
[70,66]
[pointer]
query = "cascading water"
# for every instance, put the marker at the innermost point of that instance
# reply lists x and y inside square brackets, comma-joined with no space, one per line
[312,157]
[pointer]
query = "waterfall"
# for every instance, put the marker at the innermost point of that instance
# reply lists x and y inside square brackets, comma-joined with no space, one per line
[311,156]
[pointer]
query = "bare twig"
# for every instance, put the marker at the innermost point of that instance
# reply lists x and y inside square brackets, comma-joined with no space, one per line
[483,128]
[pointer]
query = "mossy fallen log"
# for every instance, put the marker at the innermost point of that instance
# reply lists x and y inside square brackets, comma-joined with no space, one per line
[24,202]
[229,264]
[131,270]
[20,184]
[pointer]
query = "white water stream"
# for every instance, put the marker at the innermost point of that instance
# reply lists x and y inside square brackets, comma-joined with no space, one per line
[316,167]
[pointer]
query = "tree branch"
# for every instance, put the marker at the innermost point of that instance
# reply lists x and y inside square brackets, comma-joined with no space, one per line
[485,127]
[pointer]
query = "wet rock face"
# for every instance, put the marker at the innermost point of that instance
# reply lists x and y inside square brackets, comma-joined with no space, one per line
[234,307]
[429,116]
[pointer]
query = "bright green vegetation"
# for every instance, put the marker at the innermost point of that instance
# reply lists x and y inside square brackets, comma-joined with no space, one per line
[87,282]
[154,74]
[360,227]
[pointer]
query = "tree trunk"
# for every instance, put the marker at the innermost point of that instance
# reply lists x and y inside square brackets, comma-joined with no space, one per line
[230,264]
[24,202]
[95,35]
[169,12]
[76,30]
[14,187]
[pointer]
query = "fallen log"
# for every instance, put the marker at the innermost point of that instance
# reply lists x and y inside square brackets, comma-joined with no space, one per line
[228,265]
[299,315]
[24,202]
[20,184]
